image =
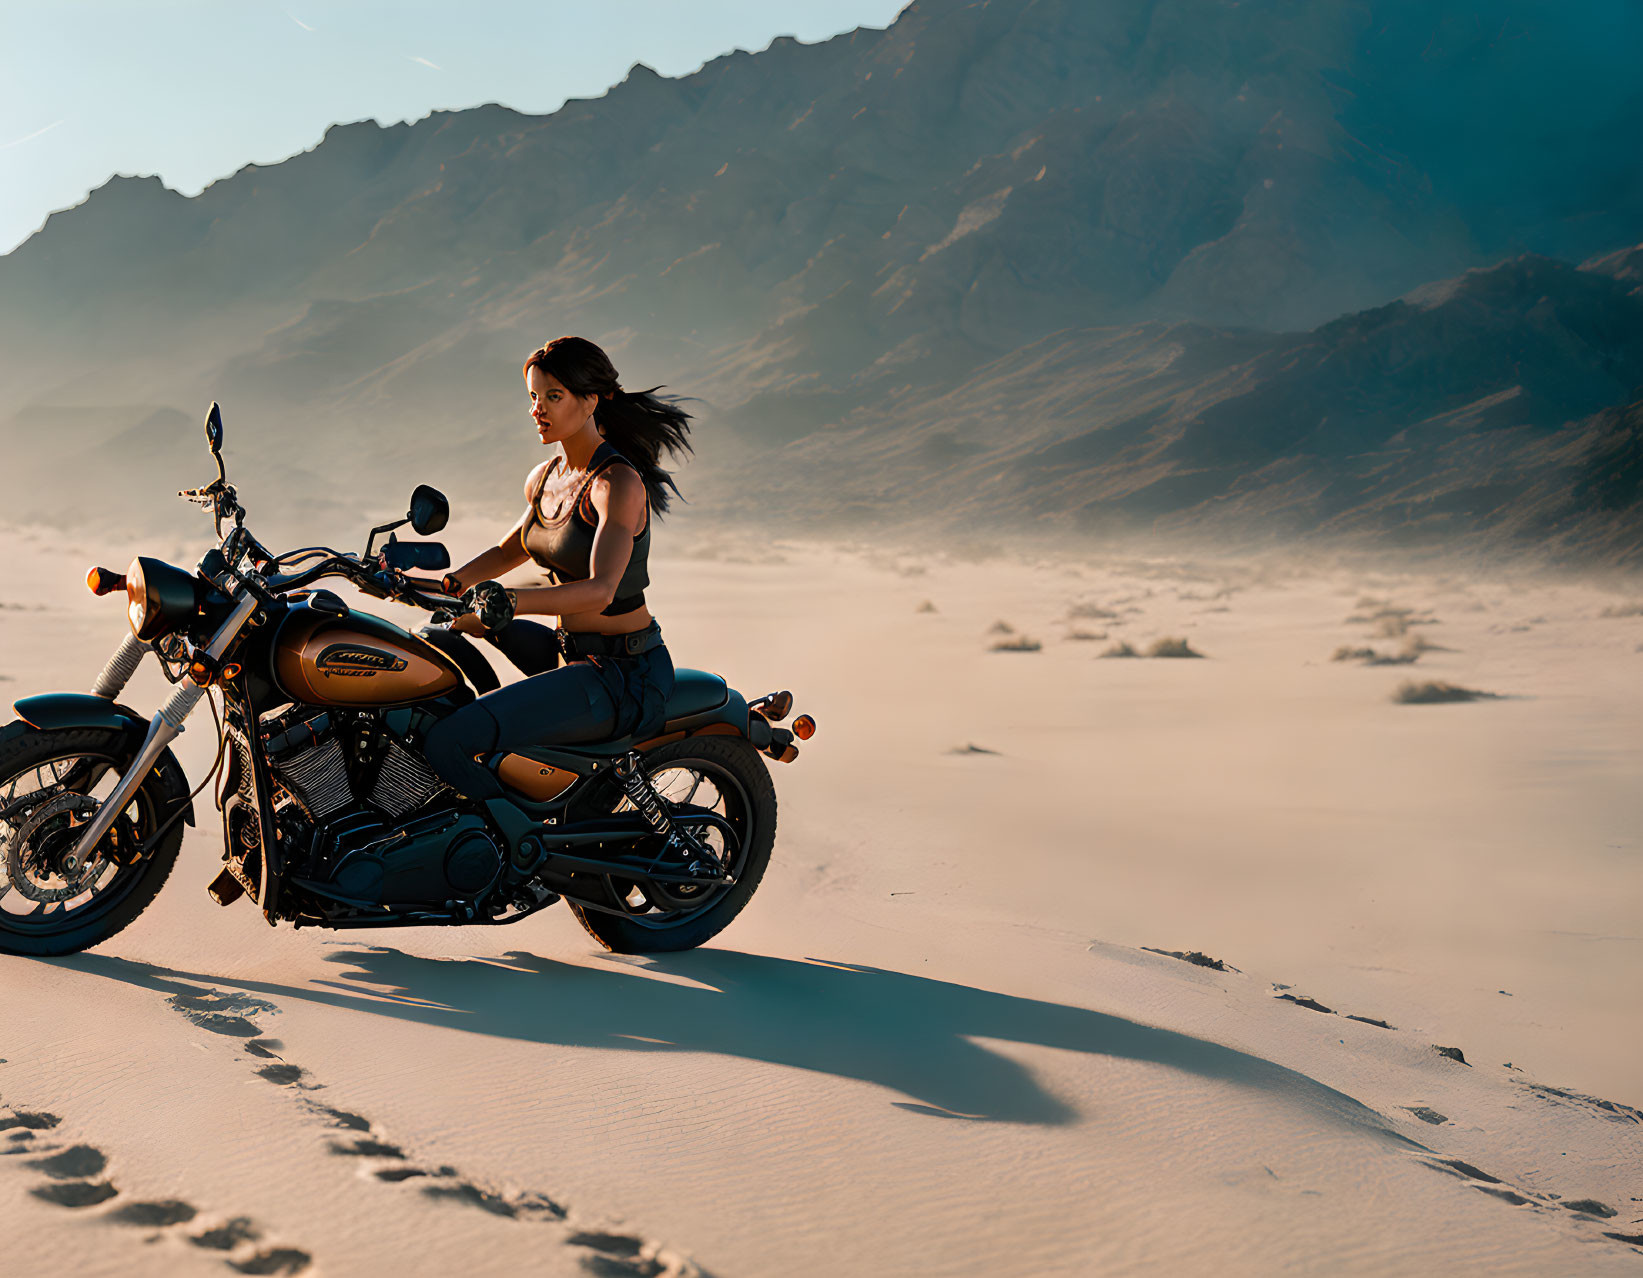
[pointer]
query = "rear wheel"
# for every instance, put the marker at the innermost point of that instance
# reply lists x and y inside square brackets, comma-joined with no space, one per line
[723,776]
[51,784]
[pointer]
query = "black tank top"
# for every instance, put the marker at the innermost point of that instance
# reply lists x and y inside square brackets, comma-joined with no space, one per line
[564,545]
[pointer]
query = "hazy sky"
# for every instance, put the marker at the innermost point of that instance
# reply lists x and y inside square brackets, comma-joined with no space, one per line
[194,89]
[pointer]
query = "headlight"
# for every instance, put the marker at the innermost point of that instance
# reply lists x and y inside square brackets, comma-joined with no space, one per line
[136,598]
[159,598]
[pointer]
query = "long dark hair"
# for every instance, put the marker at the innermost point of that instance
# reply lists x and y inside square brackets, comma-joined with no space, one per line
[638,424]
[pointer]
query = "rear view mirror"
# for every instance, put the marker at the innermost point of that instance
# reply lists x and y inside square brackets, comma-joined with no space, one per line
[416,556]
[429,512]
[213,428]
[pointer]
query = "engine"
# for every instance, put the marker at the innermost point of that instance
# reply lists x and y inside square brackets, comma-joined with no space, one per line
[334,761]
[360,816]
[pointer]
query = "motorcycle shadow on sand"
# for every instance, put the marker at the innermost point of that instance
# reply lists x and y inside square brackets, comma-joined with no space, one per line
[909,1034]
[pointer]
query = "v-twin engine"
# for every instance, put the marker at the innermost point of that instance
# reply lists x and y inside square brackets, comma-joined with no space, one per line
[310,759]
[352,782]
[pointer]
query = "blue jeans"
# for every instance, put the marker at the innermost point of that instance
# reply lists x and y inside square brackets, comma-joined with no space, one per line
[599,699]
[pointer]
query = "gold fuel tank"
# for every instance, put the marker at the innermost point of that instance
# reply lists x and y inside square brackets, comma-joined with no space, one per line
[356,660]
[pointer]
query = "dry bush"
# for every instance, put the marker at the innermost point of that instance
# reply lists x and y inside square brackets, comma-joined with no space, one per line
[1172,647]
[1120,649]
[927,606]
[1408,656]
[1623,610]
[1083,636]
[1090,612]
[1019,644]
[1436,691]
[1001,628]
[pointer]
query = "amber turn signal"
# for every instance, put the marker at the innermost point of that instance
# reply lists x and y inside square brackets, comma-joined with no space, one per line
[804,727]
[104,581]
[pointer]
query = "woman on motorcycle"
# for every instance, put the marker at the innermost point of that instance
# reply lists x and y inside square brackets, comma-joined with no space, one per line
[587,521]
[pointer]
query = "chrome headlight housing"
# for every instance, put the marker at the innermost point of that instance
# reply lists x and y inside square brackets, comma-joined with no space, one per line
[159,598]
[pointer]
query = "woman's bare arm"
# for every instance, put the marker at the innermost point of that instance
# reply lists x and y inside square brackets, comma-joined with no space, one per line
[508,553]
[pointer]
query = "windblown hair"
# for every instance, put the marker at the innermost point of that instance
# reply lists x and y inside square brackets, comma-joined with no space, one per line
[637,424]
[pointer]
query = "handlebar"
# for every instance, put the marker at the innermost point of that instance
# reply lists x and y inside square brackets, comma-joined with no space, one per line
[384,583]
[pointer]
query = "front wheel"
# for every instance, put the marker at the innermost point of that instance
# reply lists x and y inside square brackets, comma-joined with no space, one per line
[51,784]
[722,775]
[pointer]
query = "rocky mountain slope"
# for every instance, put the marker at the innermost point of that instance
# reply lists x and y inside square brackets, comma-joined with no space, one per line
[1506,401]
[855,230]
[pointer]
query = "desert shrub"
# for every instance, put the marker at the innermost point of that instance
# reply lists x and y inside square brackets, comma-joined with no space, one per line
[1408,655]
[1001,628]
[1434,692]
[1172,647]
[1019,644]
[926,606]
[1623,610]
[1121,649]
[1090,612]
[1083,636]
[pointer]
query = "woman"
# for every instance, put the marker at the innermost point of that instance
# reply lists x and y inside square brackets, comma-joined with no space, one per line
[587,521]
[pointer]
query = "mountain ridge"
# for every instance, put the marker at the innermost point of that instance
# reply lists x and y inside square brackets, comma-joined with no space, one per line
[794,234]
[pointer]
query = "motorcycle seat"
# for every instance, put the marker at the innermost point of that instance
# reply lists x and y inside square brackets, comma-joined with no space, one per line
[695,693]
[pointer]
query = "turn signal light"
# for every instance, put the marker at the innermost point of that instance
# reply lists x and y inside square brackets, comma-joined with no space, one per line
[104,581]
[804,727]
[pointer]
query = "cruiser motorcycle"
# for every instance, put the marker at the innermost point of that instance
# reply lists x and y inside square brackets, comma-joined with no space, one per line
[331,817]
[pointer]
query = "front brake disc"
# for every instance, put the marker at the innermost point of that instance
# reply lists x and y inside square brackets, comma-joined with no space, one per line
[40,855]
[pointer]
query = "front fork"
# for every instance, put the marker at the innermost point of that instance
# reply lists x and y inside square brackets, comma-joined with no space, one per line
[163,729]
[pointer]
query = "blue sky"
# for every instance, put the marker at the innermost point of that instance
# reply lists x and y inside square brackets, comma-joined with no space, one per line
[194,89]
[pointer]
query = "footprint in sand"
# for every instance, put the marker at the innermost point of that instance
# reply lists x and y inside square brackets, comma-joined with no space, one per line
[71,1183]
[275,1260]
[220,1012]
[72,1170]
[615,1255]
[1427,1115]
[1585,1208]
[155,1215]
[228,1235]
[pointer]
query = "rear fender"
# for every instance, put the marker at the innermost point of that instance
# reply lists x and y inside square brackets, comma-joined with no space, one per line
[57,711]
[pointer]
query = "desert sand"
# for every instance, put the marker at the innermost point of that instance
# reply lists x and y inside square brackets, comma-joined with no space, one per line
[935,1043]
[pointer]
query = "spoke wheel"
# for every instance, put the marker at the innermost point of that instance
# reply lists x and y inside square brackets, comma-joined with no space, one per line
[51,785]
[720,776]
[688,787]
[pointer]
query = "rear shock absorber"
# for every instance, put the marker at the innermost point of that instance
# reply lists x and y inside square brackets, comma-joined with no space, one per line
[641,793]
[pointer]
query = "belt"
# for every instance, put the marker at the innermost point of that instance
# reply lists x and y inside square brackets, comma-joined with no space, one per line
[587,644]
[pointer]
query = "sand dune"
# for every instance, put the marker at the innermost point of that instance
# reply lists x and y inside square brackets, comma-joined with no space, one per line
[970,1023]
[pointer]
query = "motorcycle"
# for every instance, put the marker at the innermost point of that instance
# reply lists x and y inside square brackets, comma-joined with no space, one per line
[331,816]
